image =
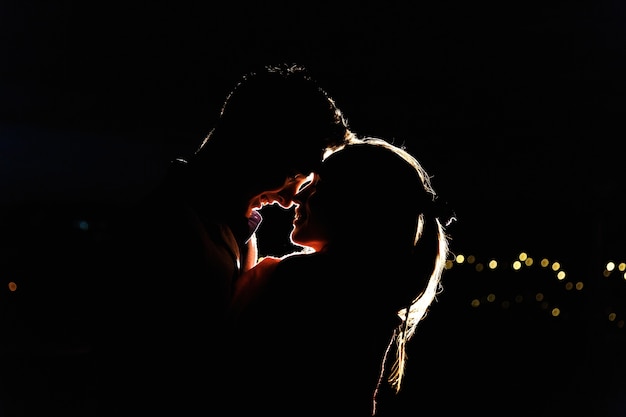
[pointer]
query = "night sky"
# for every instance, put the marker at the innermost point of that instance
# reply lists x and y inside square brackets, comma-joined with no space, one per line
[513,100]
[516,108]
[518,103]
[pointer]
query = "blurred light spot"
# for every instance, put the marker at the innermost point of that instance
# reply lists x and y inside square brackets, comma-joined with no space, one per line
[82,224]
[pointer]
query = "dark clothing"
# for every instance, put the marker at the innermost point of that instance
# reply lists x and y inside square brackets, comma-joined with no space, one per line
[312,342]
[170,276]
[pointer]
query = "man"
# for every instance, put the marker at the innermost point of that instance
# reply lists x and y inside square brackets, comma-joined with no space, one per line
[183,246]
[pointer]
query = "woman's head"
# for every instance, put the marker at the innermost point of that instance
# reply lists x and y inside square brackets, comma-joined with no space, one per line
[370,192]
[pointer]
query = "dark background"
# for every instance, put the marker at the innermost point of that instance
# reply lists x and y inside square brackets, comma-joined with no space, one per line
[516,108]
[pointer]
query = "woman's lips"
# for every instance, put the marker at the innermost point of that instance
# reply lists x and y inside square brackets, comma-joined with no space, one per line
[298,218]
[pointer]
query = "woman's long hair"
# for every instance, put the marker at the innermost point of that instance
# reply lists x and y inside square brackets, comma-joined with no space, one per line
[430,248]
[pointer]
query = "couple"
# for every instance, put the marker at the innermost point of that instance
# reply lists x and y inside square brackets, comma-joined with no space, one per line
[185,245]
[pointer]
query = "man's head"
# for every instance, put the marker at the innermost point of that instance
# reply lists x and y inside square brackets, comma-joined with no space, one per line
[275,124]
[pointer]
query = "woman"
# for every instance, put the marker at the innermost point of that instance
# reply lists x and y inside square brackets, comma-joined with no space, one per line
[335,318]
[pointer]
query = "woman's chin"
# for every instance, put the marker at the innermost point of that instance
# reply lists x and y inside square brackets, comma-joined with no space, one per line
[301,239]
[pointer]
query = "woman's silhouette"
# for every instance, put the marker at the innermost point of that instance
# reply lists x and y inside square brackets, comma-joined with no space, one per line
[326,331]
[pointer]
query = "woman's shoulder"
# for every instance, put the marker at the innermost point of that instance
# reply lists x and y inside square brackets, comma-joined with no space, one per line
[301,263]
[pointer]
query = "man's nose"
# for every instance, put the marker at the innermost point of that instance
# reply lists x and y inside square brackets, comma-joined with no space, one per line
[286,194]
[289,190]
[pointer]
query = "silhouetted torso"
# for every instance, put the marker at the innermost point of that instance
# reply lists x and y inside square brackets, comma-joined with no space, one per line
[313,341]
[170,276]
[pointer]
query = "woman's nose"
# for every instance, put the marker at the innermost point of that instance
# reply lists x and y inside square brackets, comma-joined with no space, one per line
[303,195]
